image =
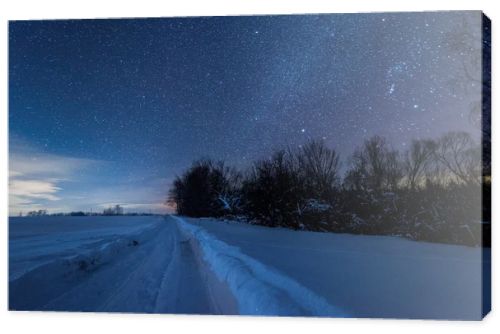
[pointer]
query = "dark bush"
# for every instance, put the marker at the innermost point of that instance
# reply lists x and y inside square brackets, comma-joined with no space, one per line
[207,189]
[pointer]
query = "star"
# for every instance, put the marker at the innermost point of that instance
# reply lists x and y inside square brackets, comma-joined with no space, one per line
[391,89]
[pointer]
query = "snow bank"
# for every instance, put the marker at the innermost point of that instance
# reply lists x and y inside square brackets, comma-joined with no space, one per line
[258,289]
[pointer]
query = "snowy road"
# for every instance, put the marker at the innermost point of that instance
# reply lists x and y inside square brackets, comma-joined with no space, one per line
[154,271]
[203,266]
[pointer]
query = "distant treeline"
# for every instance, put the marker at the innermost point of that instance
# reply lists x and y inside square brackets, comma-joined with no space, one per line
[115,210]
[432,191]
[81,213]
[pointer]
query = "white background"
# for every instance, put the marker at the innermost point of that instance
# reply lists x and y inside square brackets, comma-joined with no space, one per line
[21,322]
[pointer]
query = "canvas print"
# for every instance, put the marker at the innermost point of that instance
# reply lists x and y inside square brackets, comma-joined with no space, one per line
[330,165]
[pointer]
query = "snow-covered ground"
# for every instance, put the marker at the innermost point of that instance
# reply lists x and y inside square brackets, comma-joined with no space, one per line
[37,240]
[183,265]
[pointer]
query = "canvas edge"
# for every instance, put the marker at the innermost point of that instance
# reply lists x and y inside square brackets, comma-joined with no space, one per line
[486,163]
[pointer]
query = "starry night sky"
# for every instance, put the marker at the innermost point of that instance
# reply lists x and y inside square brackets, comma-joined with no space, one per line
[109,111]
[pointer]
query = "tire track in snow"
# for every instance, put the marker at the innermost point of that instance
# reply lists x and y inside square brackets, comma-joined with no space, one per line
[138,291]
[183,288]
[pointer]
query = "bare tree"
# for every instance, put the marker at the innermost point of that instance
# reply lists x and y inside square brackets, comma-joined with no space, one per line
[374,167]
[319,167]
[273,191]
[417,160]
[462,158]
[229,181]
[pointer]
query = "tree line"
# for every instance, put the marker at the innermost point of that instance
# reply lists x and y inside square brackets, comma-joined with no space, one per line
[431,191]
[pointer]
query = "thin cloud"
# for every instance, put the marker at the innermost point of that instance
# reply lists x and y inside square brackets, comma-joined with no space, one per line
[34,189]
[45,165]
[35,177]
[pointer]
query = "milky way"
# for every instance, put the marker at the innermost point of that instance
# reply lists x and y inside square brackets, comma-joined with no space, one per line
[137,100]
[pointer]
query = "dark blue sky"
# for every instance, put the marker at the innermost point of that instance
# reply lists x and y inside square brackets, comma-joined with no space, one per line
[108,111]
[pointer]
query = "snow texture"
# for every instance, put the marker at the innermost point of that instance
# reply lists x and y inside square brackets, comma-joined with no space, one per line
[207,266]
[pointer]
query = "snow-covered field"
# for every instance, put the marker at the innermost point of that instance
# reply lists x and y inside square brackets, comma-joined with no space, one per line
[182,265]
